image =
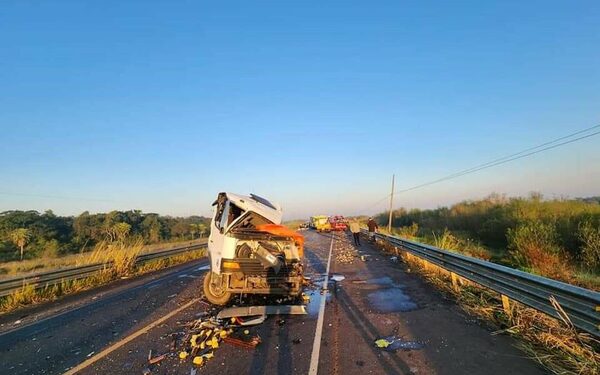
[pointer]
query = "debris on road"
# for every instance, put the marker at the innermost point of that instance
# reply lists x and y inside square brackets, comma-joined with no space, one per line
[338,278]
[157,359]
[346,253]
[392,343]
[261,310]
[248,344]
[250,321]
[206,333]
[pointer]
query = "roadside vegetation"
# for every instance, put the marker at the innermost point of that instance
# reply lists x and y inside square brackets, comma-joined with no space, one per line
[554,344]
[121,253]
[18,268]
[31,241]
[556,238]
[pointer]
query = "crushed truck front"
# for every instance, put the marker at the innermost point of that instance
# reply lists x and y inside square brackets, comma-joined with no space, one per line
[250,251]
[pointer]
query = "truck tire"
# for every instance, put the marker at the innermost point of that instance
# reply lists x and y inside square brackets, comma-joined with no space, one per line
[215,294]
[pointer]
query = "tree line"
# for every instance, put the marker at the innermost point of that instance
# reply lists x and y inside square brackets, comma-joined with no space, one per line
[531,232]
[31,234]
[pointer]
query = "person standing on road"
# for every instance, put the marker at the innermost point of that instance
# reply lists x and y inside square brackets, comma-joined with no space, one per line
[373,227]
[355,229]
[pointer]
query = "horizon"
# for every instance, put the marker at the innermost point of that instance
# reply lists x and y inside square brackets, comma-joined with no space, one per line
[396,208]
[312,105]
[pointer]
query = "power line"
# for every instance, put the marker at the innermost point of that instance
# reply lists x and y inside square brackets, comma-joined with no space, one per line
[500,161]
[524,151]
[505,159]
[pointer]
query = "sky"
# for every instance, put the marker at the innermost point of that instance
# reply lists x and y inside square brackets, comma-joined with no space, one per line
[160,105]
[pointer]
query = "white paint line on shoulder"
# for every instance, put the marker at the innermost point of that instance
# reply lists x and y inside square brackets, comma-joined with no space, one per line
[314,358]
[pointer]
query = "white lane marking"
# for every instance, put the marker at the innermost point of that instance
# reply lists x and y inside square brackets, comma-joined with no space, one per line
[127,339]
[314,358]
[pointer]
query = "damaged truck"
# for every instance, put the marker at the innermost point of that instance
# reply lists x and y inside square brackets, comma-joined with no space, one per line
[250,251]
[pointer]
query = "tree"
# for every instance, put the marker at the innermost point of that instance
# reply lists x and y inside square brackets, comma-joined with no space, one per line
[121,231]
[201,229]
[193,230]
[20,237]
[152,228]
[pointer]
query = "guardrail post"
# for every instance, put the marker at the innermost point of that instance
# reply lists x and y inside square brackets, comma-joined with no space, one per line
[506,305]
[454,278]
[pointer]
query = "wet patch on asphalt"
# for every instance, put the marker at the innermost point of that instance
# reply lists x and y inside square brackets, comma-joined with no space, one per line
[391,300]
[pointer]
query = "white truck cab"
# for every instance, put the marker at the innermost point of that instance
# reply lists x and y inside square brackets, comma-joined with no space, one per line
[249,251]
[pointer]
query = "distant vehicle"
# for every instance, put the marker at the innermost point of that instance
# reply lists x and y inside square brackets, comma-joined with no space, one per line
[250,251]
[338,223]
[320,223]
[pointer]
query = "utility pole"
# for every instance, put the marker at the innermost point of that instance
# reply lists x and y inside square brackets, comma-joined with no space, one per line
[391,206]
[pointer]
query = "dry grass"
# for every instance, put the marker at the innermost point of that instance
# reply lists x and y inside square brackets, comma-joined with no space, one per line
[554,344]
[19,268]
[121,255]
[158,264]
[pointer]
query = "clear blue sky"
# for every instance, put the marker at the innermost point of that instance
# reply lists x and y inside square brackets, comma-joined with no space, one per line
[160,105]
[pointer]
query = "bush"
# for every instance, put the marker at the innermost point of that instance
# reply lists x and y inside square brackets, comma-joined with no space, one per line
[51,249]
[448,241]
[408,232]
[589,235]
[534,246]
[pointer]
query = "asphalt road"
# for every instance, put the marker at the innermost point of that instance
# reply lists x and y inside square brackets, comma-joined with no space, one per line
[377,298]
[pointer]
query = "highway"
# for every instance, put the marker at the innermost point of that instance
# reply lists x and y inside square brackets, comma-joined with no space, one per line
[376,298]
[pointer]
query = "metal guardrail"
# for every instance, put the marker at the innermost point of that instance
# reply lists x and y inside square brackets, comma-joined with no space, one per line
[50,278]
[582,306]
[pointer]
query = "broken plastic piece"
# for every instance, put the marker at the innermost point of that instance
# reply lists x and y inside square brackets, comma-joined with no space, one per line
[250,321]
[242,343]
[157,359]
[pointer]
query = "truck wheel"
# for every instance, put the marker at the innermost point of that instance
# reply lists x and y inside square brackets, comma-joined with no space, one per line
[215,294]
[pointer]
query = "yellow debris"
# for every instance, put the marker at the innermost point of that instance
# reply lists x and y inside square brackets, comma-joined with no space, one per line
[198,361]
[223,334]
[183,355]
[382,343]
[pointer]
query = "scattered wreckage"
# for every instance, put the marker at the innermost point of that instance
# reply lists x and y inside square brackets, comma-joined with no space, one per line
[250,251]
